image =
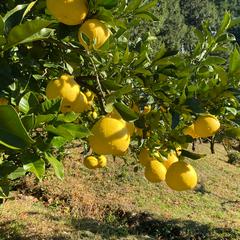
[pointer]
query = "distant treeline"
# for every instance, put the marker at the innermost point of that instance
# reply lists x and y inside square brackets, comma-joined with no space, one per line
[177,18]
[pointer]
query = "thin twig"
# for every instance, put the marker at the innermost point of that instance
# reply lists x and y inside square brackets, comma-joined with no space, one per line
[97,78]
[81,81]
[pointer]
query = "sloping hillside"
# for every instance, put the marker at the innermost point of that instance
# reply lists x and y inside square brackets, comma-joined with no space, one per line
[118,203]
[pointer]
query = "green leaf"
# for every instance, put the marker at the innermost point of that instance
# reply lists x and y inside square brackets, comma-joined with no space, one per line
[132,5]
[14,17]
[116,57]
[4,188]
[233,132]
[68,117]
[76,130]
[147,16]
[232,110]
[191,155]
[29,8]
[1,26]
[12,132]
[147,6]
[222,74]
[224,24]
[6,168]
[37,167]
[234,22]
[69,131]
[127,113]
[105,15]
[2,40]
[41,119]
[126,55]
[108,4]
[51,106]
[59,131]
[234,62]
[57,165]
[143,71]
[111,85]
[19,172]
[118,94]
[28,32]
[28,121]
[28,101]
[58,141]
[199,35]
[214,60]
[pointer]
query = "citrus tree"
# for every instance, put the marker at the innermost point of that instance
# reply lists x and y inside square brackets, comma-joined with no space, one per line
[79,70]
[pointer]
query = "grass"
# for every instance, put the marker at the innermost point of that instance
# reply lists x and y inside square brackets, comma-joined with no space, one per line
[118,203]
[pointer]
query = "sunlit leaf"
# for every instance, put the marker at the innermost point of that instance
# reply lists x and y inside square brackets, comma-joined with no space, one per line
[57,165]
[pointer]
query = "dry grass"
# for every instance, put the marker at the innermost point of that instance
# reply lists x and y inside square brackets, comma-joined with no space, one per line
[90,204]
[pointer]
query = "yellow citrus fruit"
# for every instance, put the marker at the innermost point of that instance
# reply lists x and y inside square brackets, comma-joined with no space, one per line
[190,130]
[110,136]
[94,115]
[66,88]
[147,109]
[90,162]
[93,34]
[89,95]
[206,126]
[172,158]
[181,176]
[144,157]
[155,171]
[69,12]
[130,126]
[3,101]
[102,161]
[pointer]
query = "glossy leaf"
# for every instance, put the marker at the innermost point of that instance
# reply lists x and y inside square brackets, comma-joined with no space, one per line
[14,17]
[68,117]
[37,167]
[127,113]
[225,23]
[234,64]
[17,173]
[58,141]
[146,6]
[12,131]
[69,131]
[51,106]
[28,32]
[233,132]
[108,4]
[57,165]
[1,26]
[27,102]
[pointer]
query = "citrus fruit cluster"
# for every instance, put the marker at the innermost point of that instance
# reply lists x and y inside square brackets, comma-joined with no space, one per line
[92,33]
[73,99]
[92,162]
[179,175]
[204,126]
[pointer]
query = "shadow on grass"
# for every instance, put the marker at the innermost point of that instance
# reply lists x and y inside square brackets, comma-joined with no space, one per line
[123,224]
[120,224]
